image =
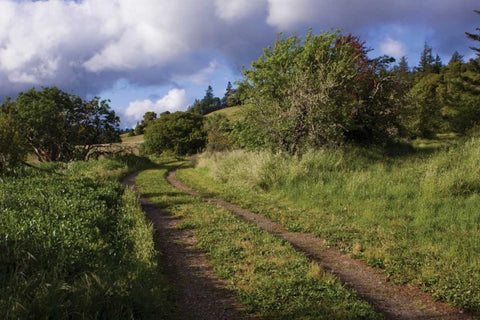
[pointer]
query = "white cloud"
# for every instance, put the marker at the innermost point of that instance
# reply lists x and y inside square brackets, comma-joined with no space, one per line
[175,100]
[392,48]
[86,46]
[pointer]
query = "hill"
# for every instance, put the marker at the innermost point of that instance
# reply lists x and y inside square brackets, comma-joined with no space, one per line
[232,113]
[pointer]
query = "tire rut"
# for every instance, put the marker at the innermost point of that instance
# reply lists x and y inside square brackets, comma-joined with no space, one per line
[198,293]
[404,302]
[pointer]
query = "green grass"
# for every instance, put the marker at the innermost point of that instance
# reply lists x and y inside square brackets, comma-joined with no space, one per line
[132,139]
[232,113]
[414,216]
[268,276]
[74,244]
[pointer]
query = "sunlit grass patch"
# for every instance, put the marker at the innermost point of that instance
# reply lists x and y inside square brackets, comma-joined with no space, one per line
[415,216]
[268,275]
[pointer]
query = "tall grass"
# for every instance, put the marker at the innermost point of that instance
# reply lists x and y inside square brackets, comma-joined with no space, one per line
[270,278]
[415,216]
[76,245]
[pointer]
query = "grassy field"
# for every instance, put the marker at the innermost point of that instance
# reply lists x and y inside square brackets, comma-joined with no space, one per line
[269,277]
[232,113]
[74,244]
[415,216]
[131,139]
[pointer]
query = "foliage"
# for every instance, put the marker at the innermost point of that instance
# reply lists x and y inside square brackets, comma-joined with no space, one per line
[148,118]
[61,126]
[321,90]
[13,147]
[423,116]
[416,217]
[208,104]
[179,132]
[231,97]
[218,129]
[74,246]
[271,279]
[475,37]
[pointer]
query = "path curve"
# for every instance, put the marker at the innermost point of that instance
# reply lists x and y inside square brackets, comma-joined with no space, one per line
[394,301]
[199,294]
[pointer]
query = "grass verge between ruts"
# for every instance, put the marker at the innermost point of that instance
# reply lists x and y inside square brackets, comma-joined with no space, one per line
[268,276]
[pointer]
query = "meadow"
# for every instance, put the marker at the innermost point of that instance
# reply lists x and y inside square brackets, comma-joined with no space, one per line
[413,214]
[75,244]
[269,277]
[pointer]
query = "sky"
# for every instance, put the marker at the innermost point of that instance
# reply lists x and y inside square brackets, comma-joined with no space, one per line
[159,55]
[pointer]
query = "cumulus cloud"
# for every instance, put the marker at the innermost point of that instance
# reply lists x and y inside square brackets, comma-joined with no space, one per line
[175,100]
[86,46]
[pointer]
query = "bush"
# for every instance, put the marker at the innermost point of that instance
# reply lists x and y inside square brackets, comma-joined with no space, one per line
[180,132]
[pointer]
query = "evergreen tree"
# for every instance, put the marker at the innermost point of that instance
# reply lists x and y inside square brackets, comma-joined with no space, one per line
[437,65]
[208,104]
[426,59]
[230,98]
[402,66]
[475,37]
[472,77]
[456,57]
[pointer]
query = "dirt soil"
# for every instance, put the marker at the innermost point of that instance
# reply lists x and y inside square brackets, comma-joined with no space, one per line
[199,294]
[394,301]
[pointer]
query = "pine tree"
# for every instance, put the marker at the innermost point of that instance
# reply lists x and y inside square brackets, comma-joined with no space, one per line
[437,65]
[456,57]
[208,104]
[426,59]
[230,98]
[402,67]
[475,37]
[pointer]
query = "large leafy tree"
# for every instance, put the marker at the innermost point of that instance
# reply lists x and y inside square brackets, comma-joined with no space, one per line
[61,126]
[179,132]
[148,118]
[320,90]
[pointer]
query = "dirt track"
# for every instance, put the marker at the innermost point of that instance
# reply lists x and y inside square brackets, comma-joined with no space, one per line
[394,301]
[199,294]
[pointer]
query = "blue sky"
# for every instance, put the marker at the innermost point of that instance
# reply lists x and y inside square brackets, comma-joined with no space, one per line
[161,54]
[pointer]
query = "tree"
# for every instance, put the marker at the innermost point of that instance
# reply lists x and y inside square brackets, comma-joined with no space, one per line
[320,90]
[218,128]
[475,37]
[208,104]
[423,115]
[456,57]
[13,147]
[402,66]
[90,124]
[61,126]
[179,132]
[230,98]
[437,64]
[148,117]
[426,60]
